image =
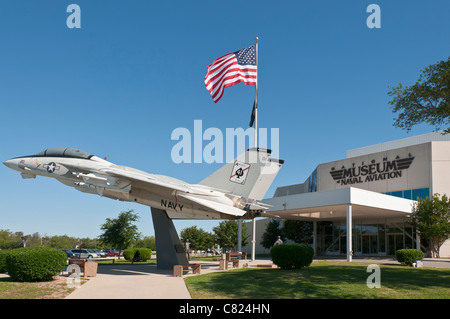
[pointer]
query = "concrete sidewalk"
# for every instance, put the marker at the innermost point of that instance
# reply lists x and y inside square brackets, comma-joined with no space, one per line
[427,262]
[132,282]
[142,282]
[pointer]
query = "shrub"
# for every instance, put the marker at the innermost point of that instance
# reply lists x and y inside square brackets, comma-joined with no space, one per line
[35,263]
[408,256]
[137,254]
[128,254]
[143,254]
[289,256]
[3,255]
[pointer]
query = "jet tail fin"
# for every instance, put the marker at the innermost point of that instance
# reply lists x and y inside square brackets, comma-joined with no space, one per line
[249,175]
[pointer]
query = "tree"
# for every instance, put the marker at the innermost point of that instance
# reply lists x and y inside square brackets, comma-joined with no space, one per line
[88,243]
[147,242]
[271,234]
[8,240]
[34,240]
[120,233]
[198,238]
[226,235]
[298,231]
[62,242]
[431,217]
[426,101]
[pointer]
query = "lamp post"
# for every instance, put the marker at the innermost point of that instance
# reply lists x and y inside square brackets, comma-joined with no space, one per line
[187,248]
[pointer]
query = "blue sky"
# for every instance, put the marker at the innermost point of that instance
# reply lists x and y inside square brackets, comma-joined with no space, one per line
[118,86]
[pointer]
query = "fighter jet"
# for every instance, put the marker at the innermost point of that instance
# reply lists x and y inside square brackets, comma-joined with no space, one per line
[232,192]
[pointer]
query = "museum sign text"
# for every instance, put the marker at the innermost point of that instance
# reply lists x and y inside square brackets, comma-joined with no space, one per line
[375,171]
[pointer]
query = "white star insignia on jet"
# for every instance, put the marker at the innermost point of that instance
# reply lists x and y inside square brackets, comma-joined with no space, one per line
[51,167]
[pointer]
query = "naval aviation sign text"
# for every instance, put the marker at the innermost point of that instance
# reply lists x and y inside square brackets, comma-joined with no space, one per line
[375,171]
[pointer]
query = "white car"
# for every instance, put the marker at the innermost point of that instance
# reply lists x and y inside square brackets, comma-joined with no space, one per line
[84,253]
[99,252]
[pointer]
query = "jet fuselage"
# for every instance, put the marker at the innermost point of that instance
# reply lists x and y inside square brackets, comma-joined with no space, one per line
[91,174]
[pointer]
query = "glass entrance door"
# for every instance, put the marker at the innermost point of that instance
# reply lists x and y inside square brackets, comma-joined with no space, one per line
[369,244]
[395,242]
[343,245]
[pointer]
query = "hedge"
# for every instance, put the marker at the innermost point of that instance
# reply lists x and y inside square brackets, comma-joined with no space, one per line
[3,255]
[408,256]
[35,263]
[292,256]
[137,254]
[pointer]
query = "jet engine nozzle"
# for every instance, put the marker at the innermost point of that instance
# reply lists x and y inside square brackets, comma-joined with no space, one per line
[238,201]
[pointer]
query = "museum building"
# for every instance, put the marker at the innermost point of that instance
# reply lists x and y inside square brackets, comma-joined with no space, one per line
[370,193]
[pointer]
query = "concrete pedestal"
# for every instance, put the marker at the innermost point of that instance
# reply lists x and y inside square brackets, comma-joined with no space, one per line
[169,251]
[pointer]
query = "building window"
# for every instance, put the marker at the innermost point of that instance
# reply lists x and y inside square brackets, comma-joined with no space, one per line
[382,239]
[379,237]
[413,194]
[312,182]
[397,194]
[407,194]
[420,193]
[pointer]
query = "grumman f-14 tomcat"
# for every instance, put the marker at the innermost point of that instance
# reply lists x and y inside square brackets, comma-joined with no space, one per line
[232,192]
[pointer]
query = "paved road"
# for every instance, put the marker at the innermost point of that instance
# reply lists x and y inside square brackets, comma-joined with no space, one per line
[437,263]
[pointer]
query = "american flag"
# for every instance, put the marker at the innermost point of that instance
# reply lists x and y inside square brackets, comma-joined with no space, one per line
[231,69]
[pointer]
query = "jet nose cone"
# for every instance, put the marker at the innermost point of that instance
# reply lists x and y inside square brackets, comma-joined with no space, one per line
[8,163]
[12,163]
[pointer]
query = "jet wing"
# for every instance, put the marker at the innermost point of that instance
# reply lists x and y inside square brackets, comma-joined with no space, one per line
[145,178]
[219,207]
[192,194]
[126,173]
[199,195]
[115,174]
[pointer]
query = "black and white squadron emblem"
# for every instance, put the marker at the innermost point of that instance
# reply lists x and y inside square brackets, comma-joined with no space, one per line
[239,172]
[51,167]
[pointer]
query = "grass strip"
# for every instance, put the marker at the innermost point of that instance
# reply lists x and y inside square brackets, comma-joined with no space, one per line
[322,280]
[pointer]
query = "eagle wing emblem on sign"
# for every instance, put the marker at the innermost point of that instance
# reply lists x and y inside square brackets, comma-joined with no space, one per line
[397,164]
[404,163]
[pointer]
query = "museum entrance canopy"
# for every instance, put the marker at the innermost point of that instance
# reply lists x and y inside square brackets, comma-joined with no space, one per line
[331,205]
[347,204]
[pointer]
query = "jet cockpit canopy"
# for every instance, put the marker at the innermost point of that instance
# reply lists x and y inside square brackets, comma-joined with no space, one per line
[64,152]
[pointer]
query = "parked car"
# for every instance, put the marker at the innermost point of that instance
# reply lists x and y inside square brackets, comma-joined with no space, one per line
[84,253]
[69,253]
[100,253]
[95,252]
[112,253]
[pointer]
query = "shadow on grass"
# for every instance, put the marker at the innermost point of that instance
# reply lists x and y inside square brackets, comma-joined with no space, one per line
[6,279]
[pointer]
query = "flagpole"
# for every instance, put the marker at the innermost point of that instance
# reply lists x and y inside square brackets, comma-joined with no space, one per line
[256,97]
[256,145]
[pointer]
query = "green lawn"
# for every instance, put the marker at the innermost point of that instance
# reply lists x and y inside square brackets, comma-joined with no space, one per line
[322,280]
[123,261]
